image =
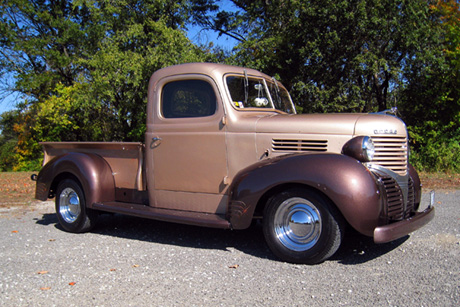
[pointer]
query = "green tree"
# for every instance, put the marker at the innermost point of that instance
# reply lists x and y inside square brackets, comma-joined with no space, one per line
[146,37]
[40,43]
[83,66]
[334,55]
[431,99]
[8,140]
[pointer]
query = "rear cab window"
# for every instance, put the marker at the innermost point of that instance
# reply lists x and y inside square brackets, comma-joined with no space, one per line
[188,99]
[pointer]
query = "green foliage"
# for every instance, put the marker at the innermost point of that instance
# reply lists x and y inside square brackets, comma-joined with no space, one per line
[436,156]
[84,66]
[41,41]
[7,156]
[431,98]
[120,70]
[335,56]
[8,141]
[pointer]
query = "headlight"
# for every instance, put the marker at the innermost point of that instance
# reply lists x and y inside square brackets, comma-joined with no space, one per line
[361,148]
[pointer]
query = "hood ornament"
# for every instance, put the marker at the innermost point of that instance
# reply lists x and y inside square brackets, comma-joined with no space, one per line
[391,111]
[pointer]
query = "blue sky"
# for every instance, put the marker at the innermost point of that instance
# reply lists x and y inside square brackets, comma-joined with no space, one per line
[7,104]
[205,37]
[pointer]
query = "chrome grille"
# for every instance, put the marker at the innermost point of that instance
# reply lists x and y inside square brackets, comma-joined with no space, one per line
[395,202]
[395,209]
[391,153]
[410,198]
[299,145]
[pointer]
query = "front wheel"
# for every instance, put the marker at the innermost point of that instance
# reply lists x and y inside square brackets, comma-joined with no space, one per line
[71,208]
[302,226]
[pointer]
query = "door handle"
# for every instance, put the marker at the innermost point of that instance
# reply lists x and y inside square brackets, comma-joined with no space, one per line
[156,141]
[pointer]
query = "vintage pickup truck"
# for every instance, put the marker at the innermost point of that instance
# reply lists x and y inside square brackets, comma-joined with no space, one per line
[224,146]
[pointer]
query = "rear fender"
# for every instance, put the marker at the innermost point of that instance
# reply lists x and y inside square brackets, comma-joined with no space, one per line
[344,180]
[92,172]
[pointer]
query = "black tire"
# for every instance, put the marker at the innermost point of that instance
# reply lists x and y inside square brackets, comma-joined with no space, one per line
[71,208]
[302,226]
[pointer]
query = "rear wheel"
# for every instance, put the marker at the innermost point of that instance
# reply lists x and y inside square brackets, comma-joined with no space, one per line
[71,208]
[302,226]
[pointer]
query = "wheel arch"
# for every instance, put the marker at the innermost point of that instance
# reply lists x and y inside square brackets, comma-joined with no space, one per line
[260,206]
[59,178]
[90,171]
[342,180]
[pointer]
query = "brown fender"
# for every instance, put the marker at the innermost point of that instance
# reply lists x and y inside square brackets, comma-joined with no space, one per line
[92,171]
[344,180]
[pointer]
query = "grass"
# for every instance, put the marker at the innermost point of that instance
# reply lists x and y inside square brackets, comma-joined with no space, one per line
[18,189]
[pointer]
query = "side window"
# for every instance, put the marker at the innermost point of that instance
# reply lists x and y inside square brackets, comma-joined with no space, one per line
[188,98]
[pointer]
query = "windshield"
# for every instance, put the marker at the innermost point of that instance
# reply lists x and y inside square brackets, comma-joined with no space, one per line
[250,92]
[280,96]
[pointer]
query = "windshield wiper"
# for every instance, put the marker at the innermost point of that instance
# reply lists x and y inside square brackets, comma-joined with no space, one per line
[277,91]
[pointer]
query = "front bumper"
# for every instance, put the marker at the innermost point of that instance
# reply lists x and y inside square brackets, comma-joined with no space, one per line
[399,229]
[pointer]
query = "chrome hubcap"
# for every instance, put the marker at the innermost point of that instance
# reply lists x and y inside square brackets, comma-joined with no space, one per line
[69,205]
[298,224]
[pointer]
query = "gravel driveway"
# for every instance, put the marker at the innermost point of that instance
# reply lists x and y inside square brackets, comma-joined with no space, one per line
[129,261]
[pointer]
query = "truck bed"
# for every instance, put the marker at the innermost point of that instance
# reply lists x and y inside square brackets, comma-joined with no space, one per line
[124,158]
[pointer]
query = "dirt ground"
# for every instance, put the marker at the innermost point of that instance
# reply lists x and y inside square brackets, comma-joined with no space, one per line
[440,181]
[16,189]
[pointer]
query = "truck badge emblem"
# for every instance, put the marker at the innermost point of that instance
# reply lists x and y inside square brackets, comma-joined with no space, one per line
[385,131]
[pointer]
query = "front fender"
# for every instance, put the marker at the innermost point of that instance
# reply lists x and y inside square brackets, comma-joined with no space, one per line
[91,170]
[344,180]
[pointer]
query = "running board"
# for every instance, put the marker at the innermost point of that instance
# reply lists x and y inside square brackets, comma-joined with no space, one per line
[167,215]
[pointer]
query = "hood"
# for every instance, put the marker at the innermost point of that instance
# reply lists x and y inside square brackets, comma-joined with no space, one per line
[335,124]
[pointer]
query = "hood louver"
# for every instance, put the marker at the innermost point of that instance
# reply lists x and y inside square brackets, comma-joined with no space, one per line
[299,145]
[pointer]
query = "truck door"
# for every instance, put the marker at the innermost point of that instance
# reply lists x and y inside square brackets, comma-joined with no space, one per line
[188,146]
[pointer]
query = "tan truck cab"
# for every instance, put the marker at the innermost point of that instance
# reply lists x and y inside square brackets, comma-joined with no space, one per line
[224,146]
